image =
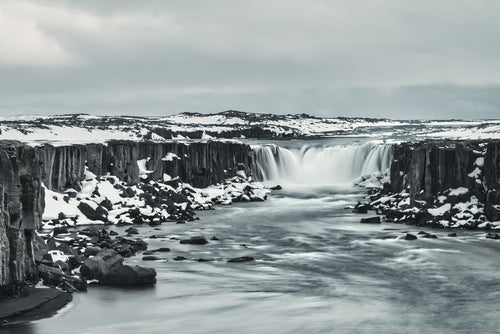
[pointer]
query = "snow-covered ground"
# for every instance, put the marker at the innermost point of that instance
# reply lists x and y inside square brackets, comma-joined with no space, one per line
[83,128]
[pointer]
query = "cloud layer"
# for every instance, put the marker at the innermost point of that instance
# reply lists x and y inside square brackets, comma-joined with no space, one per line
[374,58]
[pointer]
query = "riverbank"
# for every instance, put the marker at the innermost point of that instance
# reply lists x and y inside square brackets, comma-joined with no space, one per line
[37,303]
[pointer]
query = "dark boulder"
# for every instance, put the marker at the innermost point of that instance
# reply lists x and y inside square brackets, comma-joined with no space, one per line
[277,187]
[91,251]
[361,208]
[51,276]
[371,220]
[106,203]
[409,236]
[101,264]
[150,258]
[198,240]
[128,275]
[453,234]
[93,212]
[180,258]
[494,236]
[132,230]
[242,259]
[162,249]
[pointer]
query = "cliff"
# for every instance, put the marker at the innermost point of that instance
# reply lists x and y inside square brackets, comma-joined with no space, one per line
[21,209]
[449,183]
[23,170]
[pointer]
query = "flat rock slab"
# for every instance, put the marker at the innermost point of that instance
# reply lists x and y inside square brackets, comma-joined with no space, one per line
[39,303]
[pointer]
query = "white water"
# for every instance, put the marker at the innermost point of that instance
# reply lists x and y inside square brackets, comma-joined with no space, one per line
[320,165]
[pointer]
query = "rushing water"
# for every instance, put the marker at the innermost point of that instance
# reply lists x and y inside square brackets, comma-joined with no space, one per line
[317,270]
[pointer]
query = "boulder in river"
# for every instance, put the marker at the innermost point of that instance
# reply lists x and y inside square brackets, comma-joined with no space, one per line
[129,275]
[494,236]
[361,208]
[100,264]
[198,240]
[371,220]
[242,259]
[409,236]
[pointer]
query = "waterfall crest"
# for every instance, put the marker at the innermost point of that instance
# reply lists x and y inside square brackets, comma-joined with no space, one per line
[320,165]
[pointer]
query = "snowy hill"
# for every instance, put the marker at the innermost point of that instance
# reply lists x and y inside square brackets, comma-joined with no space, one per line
[83,128]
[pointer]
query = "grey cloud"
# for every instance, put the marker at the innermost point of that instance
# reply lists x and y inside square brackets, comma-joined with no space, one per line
[398,59]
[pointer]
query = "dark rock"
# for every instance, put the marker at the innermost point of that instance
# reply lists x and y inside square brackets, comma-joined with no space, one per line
[113,233]
[71,193]
[430,236]
[203,260]
[361,208]
[99,213]
[214,238]
[130,192]
[174,183]
[126,250]
[242,259]
[494,236]
[106,203]
[139,245]
[371,220]
[198,240]
[410,237]
[128,275]
[162,249]
[91,251]
[180,258]
[150,258]
[60,230]
[51,276]
[132,230]
[453,234]
[277,187]
[101,264]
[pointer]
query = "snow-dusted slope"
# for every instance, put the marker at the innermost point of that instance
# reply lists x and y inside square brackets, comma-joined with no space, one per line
[82,128]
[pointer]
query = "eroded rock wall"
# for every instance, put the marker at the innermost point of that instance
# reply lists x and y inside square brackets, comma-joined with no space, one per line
[21,209]
[428,169]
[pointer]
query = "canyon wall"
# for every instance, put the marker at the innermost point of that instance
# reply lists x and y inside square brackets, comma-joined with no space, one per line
[23,170]
[429,169]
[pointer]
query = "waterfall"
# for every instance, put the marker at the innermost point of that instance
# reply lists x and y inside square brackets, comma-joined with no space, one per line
[320,165]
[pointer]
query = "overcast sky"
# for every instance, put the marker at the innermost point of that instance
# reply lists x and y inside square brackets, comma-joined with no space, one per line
[374,58]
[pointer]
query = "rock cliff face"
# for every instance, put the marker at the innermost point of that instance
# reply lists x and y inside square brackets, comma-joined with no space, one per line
[200,164]
[21,209]
[23,169]
[430,171]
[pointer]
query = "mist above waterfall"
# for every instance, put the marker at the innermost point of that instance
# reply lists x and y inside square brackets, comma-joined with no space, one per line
[320,165]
